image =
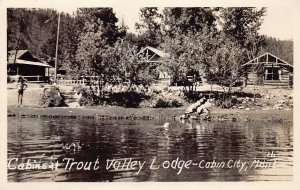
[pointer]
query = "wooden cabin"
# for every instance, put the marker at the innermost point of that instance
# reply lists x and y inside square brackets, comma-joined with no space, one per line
[22,62]
[153,55]
[269,70]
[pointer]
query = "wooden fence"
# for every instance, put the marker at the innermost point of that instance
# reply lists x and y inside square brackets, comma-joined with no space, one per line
[71,82]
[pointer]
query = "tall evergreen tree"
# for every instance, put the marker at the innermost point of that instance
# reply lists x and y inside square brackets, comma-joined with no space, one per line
[149,27]
[242,24]
[184,20]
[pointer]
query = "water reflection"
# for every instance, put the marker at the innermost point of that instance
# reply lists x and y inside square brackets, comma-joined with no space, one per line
[152,142]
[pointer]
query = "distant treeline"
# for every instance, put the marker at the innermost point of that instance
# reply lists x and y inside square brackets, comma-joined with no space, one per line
[281,48]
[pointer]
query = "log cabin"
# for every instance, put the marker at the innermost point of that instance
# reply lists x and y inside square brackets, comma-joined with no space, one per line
[153,56]
[268,70]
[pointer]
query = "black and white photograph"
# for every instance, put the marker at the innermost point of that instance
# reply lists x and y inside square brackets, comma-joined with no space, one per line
[149,93]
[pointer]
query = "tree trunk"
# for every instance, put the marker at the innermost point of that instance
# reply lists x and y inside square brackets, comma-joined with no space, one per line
[100,87]
[211,86]
[90,85]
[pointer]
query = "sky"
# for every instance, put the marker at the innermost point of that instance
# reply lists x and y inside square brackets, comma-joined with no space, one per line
[277,23]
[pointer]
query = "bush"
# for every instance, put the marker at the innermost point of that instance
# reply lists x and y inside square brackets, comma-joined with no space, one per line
[227,102]
[163,101]
[126,99]
[193,96]
[52,98]
[88,98]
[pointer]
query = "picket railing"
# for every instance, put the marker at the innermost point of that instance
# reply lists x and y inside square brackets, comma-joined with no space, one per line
[71,82]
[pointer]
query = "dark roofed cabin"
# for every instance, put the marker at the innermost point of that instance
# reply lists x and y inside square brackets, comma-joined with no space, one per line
[269,70]
[25,64]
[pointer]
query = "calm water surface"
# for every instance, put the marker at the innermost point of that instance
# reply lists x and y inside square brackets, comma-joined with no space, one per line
[41,141]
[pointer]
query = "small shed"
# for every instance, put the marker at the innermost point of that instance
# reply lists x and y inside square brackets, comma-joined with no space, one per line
[268,69]
[22,62]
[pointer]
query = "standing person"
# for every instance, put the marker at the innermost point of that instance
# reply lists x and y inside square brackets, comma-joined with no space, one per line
[21,86]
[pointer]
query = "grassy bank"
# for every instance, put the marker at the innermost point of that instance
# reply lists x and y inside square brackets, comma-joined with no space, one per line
[96,112]
[252,115]
[147,113]
[262,109]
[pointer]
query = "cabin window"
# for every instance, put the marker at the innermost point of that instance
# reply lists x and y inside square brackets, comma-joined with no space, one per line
[272,74]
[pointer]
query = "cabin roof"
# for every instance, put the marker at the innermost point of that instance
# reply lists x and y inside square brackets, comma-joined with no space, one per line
[156,51]
[268,58]
[24,62]
[24,57]
[12,53]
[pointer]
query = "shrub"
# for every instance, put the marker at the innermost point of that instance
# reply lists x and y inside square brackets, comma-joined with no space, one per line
[88,98]
[163,101]
[227,102]
[126,99]
[192,96]
[52,98]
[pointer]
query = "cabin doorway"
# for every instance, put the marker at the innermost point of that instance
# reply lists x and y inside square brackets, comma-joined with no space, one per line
[272,73]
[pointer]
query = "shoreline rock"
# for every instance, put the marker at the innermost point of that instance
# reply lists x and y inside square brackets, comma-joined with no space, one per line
[199,110]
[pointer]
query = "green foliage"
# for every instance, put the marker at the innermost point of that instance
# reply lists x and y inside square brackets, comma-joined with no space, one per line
[52,98]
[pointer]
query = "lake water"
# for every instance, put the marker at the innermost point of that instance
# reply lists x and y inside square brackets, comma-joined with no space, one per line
[211,151]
